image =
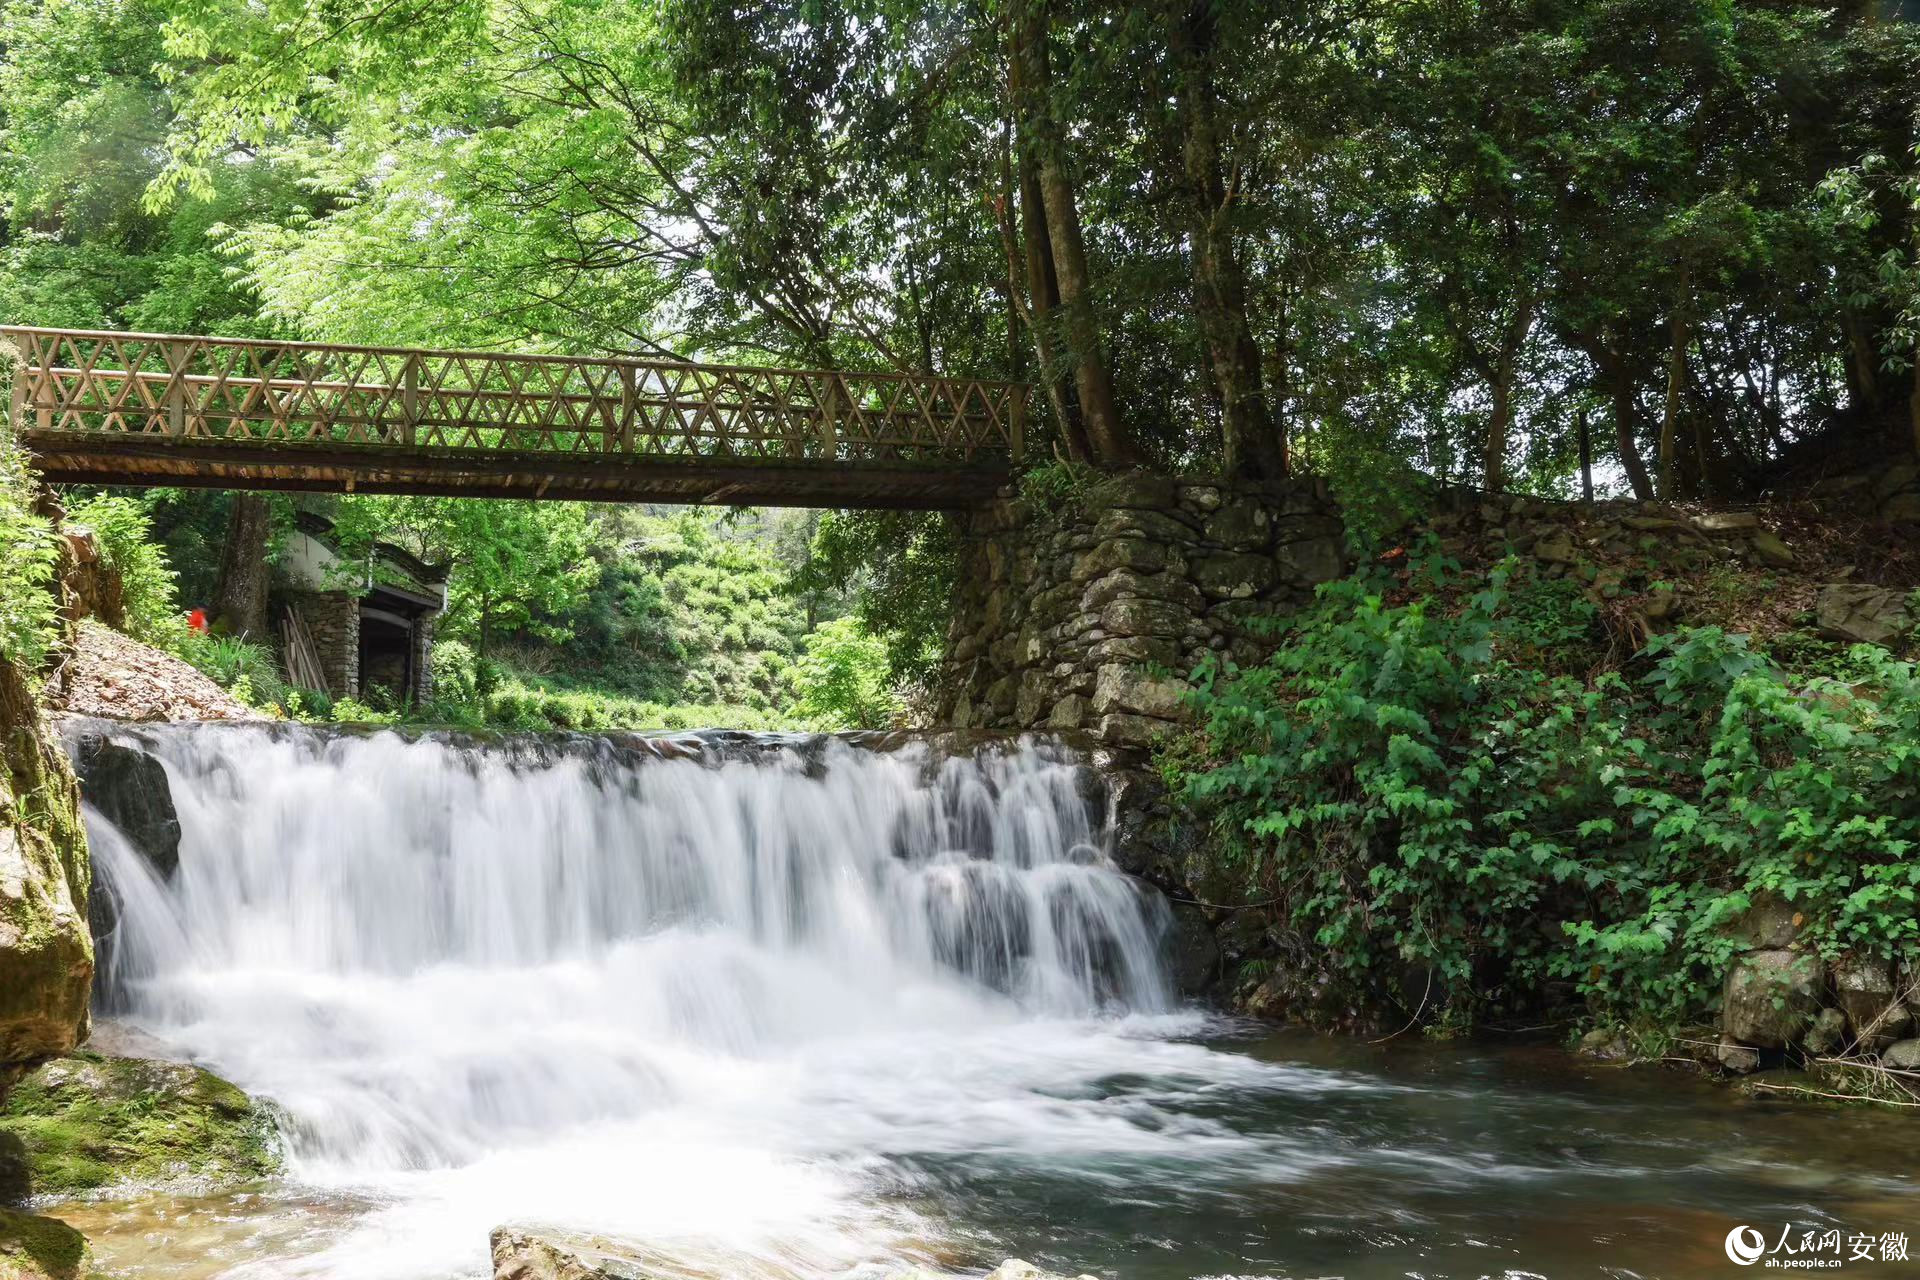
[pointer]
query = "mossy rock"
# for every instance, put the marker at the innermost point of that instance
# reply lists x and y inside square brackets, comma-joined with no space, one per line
[84,1122]
[35,1248]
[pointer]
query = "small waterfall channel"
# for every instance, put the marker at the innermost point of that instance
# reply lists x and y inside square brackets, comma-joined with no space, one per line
[688,991]
[760,1008]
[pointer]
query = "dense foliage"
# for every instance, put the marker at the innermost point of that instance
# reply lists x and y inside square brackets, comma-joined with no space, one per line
[29,624]
[1449,813]
[1679,240]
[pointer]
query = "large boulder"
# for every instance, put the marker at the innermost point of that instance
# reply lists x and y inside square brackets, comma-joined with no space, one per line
[46,952]
[79,1123]
[1827,1034]
[1866,993]
[1019,1269]
[1862,614]
[1124,688]
[1735,1057]
[1904,1056]
[1770,924]
[545,1255]
[128,788]
[1771,997]
[1192,952]
[36,1248]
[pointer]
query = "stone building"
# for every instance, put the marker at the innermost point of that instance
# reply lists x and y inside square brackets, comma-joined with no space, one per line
[352,625]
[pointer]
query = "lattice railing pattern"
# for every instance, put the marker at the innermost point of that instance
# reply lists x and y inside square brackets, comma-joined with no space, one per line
[241,390]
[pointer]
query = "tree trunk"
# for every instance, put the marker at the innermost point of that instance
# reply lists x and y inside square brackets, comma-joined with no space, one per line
[1913,402]
[1584,430]
[1626,412]
[1500,422]
[1044,139]
[1863,380]
[1670,417]
[240,593]
[1035,262]
[1252,447]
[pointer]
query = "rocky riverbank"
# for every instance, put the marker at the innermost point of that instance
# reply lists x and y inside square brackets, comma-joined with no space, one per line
[532,1254]
[87,1123]
[115,677]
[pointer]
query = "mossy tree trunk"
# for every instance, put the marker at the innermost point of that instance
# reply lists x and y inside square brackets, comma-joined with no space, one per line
[240,594]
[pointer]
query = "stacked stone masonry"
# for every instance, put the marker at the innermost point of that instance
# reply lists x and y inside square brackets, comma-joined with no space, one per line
[333,619]
[1087,615]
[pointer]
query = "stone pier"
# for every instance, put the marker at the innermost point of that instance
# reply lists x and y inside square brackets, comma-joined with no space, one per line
[1086,613]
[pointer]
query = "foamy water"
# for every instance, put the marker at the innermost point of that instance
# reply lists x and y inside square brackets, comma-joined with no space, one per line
[692,1004]
[797,1011]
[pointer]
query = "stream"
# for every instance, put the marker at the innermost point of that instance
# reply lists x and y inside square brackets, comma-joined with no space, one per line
[796,1008]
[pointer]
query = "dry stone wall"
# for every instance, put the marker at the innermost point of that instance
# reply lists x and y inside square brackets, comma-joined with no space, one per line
[333,619]
[1084,614]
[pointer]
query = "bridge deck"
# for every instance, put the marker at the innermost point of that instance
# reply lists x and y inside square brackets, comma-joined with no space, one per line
[141,409]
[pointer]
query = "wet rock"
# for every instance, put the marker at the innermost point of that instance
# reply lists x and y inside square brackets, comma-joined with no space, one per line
[1828,1033]
[1608,1044]
[128,788]
[1862,614]
[1902,1056]
[1771,997]
[1736,1057]
[1866,993]
[525,1255]
[46,951]
[1270,1000]
[1193,953]
[1018,1269]
[37,1248]
[80,1123]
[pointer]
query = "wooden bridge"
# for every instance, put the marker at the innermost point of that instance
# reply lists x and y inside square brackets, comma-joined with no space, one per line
[231,413]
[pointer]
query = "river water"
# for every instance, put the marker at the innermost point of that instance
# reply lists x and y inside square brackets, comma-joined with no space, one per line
[770,1008]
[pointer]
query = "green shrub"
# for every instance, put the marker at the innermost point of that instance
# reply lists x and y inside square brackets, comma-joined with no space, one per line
[456,673]
[147,581]
[1418,795]
[29,609]
[246,670]
[845,680]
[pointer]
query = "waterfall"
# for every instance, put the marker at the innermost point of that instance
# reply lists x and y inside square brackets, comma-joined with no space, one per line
[672,988]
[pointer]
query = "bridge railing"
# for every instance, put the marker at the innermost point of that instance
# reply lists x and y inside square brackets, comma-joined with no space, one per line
[265,392]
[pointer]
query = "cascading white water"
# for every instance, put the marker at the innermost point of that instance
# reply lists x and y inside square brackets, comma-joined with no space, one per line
[693,1002]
